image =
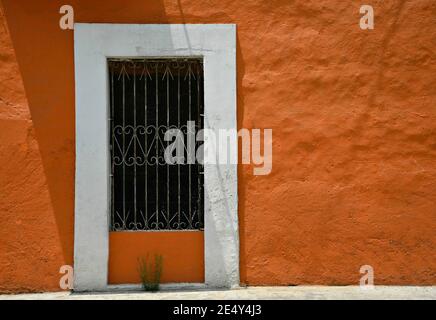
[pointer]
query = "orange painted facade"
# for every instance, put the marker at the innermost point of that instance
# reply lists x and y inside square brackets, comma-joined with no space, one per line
[353,114]
[182,255]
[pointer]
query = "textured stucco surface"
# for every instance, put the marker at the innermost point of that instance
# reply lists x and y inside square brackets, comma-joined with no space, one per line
[353,115]
[35,184]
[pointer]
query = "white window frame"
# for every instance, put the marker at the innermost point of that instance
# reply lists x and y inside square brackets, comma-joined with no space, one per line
[93,45]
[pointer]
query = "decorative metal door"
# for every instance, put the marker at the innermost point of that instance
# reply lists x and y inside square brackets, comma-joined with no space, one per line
[148,98]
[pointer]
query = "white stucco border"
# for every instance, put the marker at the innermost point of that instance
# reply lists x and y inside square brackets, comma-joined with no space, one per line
[93,43]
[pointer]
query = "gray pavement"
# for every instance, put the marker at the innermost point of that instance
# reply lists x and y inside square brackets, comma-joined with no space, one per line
[255,293]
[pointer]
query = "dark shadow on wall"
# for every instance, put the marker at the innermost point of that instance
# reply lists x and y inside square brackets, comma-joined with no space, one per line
[45,55]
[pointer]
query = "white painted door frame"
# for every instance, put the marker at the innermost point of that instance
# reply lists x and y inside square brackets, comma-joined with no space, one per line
[93,44]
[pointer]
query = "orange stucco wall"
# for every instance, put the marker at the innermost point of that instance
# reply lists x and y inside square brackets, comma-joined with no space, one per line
[182,255]
[353,114]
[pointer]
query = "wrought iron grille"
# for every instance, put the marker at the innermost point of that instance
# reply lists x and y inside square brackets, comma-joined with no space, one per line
[148,97]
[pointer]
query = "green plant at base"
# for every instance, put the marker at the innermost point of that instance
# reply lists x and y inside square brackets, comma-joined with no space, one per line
[150,273]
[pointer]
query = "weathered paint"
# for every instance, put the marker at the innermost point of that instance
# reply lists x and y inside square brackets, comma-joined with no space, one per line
[353,118]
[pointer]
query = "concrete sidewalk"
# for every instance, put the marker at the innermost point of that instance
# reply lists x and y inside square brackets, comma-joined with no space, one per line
[255,293]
